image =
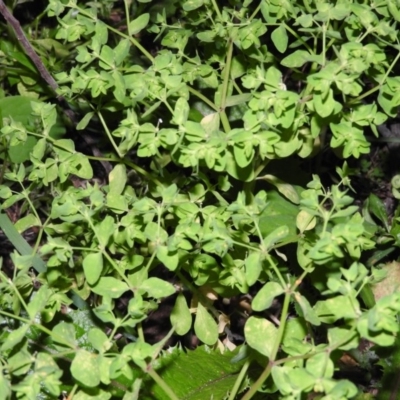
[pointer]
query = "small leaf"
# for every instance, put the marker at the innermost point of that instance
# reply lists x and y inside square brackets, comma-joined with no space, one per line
[376,206]
[105,230]
[181,111]
[261,335]
[169,259]
[191,5]
[253,267]
[280,38]
[117,179]
[296,59]
[264,298]
[109,286]
[84,121]
[99,340]
[139,23]
[85,368]
[93,267]
[157,288]
[14,337]
[38,303]
[276,236]
[205,328]
[308,313]
[305,221]
[324,104]
[210,123]
[237,99]
[64,333]
[284,188]
[181,318]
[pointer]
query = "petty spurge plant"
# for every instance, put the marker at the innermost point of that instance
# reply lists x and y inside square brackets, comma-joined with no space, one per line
[170,152]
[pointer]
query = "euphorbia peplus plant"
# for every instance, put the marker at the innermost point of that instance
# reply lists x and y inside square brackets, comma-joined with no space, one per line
[197,104]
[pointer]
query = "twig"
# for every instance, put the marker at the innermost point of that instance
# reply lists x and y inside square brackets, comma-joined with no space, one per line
[30,51]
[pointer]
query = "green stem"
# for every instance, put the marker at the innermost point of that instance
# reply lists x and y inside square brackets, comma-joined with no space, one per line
[203,98]
[139,328]
[21,299]
[110,137]
[252,16]
[323,44]
[227,73]
[308,8]
[127,17]
[276,270]
[160,382]
[225,88]
[239,380]
[289,29]
[114,265]
[216,8]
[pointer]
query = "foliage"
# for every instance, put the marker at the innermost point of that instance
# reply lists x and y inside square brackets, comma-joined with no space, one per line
[204,111]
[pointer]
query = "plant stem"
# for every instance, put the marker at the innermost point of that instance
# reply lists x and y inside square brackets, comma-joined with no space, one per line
[225,87]
[239,380]
[202,97]
[110,137]
[160,382]
[216,8]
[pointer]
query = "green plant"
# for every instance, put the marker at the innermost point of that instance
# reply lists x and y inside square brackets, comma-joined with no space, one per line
[198,104]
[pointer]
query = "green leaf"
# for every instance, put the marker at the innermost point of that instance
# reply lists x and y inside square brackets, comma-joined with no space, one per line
[308,313]
[139,23]
[280,38]
[157,288]
[331,310]
[181,319]
[5,387]
[39,301]
[377,208]
[117,179]
[205,327]
[101,32]
[214,381]
[275,237]
[105,230]
[261,335]
[99,340]
[64,333]
[93,267]
[20,243]
[119,83]
[14,338]
[109,286]
[85,368]
[295,328]
[253,266]
[284,188]
[278,212]
[168,258]
[191,5]
[297,59]
[181,111]
[266,295]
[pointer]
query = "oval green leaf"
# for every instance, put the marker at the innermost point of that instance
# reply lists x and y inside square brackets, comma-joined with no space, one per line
[205,327]
[261,335]
[264,298]
[181,318]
